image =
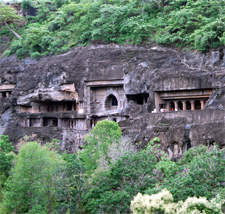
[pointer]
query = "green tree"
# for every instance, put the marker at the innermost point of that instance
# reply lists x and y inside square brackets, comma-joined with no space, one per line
[6,162]
[110,191]
[71,187]
[5,155]
[8,16]
[32,186]
[97,142]
[200,173]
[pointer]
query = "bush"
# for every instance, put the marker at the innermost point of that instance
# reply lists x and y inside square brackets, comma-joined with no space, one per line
[162,202]
[15,46]
[21,52]
[6,53]
[36,55]
[46,53]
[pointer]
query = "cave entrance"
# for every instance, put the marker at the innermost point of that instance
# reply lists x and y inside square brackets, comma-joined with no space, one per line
[188,105]
[197,105]
[68,123]
[50,122]
[172,106]
[34,122]
[180,105]
[4,94]
[139,99]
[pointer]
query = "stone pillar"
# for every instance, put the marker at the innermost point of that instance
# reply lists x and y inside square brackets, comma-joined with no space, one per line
[184,105]
[28,122]
[167,106]
[192,105]
[60,122]
[202,104]
[1,95]
[176,105]
[88,97]
[41,122]
[7,94]
[158,101]
[157,108]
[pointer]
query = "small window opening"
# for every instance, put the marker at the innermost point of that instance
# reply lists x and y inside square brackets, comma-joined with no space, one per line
[45,122]
[69,107]
[55,122]
[114,101]
[30,123]
[4,94]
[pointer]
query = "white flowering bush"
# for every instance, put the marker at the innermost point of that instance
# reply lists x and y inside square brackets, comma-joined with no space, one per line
[194,205]
[162,202]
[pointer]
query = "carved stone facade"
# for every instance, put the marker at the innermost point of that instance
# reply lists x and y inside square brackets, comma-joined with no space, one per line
[6,90]
[181,100]
[148,90]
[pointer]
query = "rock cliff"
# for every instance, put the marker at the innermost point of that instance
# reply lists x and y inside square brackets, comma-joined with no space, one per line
[63,96]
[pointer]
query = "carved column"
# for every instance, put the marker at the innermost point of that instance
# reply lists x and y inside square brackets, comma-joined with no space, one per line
[202,104]
[88,97]
[184,105]
[167,106]
[157,101]
[60,122]
[28,122]
[157,108]
[176,105]
[192,105]
[41,122]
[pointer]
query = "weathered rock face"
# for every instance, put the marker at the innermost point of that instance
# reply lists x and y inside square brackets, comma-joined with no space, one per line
[64,96]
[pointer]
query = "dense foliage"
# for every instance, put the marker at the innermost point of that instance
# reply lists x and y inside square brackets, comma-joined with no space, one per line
[54,26]
[106,176]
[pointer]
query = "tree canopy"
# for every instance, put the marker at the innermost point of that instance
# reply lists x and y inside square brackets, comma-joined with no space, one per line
[41,180]
[8,15]
[63,24]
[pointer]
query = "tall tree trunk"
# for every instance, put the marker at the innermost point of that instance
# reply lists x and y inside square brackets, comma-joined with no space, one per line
[15,33]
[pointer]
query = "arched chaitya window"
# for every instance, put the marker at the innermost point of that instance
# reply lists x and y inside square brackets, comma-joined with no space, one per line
[197,105]
[188,105]
[172,106]
[114,101]
[180,105]
[111,102]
